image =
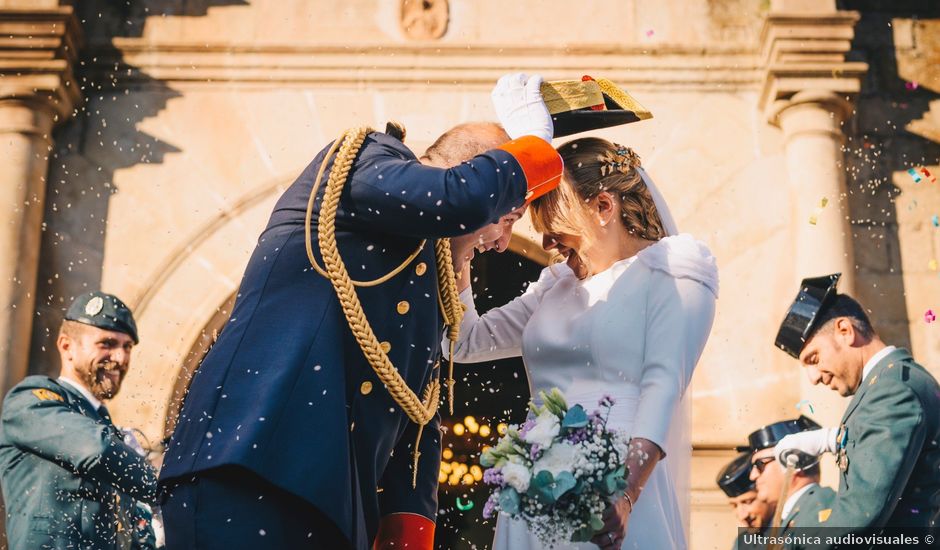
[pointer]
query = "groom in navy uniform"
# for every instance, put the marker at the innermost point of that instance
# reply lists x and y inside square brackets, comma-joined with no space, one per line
[287,437]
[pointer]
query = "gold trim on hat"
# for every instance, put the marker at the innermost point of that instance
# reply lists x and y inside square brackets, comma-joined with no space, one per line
[561,96]
[623,99]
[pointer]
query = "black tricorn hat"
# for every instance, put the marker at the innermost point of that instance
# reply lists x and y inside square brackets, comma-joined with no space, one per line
[589,104]
[735,478]
[815,294]
[771,434]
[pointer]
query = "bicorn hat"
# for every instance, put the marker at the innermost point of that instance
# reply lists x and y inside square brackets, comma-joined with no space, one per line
[589,104]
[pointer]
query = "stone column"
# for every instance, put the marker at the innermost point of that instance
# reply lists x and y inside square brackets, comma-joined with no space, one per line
[38,49]
[811,121]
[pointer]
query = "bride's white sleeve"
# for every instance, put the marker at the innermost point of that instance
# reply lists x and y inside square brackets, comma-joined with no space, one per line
[497,334]
[679,316]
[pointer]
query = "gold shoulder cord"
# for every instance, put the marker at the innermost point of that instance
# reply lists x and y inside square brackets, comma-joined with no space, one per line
[420,411]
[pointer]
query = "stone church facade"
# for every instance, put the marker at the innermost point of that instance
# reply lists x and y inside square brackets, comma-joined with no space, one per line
[143,144]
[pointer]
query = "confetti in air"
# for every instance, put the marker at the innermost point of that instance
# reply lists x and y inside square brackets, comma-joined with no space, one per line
[935,221]
[808,404]
[932,265]
[914,175]
[649,33]
[463,507]
[929,316]
[911,86]
[815,216]
[928,175]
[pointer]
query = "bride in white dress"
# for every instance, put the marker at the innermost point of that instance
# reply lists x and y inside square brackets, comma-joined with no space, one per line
[627,314]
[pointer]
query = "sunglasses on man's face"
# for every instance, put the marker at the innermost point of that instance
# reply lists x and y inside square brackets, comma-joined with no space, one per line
[762,463]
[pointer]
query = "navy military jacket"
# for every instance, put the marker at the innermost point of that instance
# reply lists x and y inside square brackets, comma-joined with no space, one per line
[69,481]
[286,391]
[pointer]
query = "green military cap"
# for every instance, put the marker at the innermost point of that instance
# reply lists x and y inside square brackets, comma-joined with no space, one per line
[104,311]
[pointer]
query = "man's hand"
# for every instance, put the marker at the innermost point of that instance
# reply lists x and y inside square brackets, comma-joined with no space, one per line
[813,443]
[520,108]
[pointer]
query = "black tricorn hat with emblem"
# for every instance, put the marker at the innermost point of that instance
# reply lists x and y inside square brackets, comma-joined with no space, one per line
[771,434]
[589,104]
[816,293]
[104,311]
[735,478]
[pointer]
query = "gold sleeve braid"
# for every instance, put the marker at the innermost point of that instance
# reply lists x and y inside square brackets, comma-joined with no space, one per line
[422,410]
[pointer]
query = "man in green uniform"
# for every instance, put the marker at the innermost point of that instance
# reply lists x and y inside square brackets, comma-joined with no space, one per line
[751,513]
[806,498]
[887,446]
[69,479]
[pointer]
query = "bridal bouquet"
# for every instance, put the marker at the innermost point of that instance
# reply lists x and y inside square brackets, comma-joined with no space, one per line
[558,471]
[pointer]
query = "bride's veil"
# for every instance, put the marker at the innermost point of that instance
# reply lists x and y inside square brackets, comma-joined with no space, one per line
[679,444]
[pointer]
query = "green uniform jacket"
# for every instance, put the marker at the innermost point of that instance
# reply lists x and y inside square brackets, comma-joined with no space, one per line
[891,474]
[806,511]
[68,479]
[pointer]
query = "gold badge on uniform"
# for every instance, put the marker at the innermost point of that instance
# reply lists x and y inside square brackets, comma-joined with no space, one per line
[46,395]
[94,306]
[824,515]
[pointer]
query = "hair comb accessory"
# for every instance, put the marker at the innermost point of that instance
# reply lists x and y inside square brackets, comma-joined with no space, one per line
[622,159]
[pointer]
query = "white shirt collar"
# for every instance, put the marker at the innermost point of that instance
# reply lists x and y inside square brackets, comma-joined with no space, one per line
[791,500]
[875,359]
[82,390]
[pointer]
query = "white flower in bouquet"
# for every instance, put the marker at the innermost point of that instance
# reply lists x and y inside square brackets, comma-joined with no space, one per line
[560,457]
[516,476]
[545,431]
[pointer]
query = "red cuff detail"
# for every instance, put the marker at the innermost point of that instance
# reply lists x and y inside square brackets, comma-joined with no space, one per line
[540,163]
[405,531]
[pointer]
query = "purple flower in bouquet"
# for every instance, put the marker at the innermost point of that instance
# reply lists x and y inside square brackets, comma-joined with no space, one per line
[493,476]
[577,436]
[606,401]
[534,451]
[526,427]
[489,508]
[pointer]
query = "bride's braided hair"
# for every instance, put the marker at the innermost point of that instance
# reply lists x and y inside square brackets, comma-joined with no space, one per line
[593,165]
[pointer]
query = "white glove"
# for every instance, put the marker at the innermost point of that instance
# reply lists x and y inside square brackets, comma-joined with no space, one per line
[812,442]
[520,108]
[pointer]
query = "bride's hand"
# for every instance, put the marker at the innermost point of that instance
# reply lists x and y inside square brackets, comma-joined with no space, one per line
[616,518]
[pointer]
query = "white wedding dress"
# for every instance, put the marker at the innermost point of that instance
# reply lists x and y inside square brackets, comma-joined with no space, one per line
[634,331]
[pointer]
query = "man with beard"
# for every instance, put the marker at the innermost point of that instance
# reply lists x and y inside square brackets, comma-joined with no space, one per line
[69,480]
[751,513]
